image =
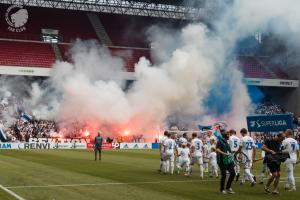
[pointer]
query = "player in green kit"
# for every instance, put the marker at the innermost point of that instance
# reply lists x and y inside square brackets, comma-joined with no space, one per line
[98,145]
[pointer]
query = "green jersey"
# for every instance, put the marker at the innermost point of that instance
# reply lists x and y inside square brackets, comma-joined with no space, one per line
[98,141]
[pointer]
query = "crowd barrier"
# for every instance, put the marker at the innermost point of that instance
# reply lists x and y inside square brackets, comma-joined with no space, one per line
[135,145]
[44,145]
[72,145]
[82,145]
[105,145]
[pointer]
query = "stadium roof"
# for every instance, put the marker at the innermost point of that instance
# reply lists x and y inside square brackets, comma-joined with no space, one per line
[188,3]
[176,9]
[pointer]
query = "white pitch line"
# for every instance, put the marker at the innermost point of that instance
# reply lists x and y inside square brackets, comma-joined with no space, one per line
[108,183]
[11,193]
[113,183]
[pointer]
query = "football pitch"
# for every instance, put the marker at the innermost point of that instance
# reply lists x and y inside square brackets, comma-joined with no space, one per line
[122,174]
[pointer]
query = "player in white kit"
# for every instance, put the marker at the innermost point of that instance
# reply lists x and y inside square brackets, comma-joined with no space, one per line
[183,139]
[247,146]
[197,153]
[161,145]
[290,146]
[213,162]
[168,154]
[234,143]
[206,151]
[177,147]
[184,158]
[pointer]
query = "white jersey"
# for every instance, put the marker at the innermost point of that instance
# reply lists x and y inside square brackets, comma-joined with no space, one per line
[198,144]
[183,140]
[291,145]
[162,139]
[184,153]
[209,139]
[169,145]
[234,143]
[177,142]
[206,152]
[247,144]
[213,158]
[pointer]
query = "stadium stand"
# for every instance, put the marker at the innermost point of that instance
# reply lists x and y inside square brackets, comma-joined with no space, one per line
[130,56]
[71,24]
[253,69]
[276,68]
[30,54]
[126,30]
[280,73]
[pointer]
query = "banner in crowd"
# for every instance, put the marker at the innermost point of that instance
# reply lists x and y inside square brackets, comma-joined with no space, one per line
[105,145]
[269,123]
[32,145]
[59,140]
[74,145]
[135,145]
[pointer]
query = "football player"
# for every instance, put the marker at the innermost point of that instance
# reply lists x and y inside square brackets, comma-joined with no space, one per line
[197,153]
[290,146]
[247,146]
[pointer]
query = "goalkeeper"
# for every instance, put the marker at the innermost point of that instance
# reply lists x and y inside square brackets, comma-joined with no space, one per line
[98,145]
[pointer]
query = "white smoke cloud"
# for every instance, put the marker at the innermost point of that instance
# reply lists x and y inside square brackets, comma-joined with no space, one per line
[178,86]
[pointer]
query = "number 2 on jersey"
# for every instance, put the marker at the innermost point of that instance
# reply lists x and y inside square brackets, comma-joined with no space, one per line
[248,145]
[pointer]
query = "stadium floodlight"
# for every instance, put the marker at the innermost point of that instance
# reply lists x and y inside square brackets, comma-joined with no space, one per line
[139,7]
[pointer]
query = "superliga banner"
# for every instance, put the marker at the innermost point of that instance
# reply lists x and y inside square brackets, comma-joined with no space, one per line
[269,123]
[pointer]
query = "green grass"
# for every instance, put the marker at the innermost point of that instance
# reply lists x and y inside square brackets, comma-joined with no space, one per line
[65,167]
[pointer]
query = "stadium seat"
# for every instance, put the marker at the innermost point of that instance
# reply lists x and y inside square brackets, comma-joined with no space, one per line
[130,56]
[131,31]
[30,54]
[276,68]
[253,69]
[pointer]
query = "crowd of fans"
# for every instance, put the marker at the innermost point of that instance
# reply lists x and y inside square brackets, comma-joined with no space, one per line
[21,130]
[18,129]
[261,137]
[268,108]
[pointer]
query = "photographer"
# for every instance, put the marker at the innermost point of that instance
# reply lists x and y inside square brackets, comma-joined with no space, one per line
[272,149]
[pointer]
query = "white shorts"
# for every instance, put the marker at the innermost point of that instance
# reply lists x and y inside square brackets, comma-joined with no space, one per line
[214,165]
[168,156]
[197,159]
[290,161]
[205,160]
[183,162]
[290,164]
[248,164]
